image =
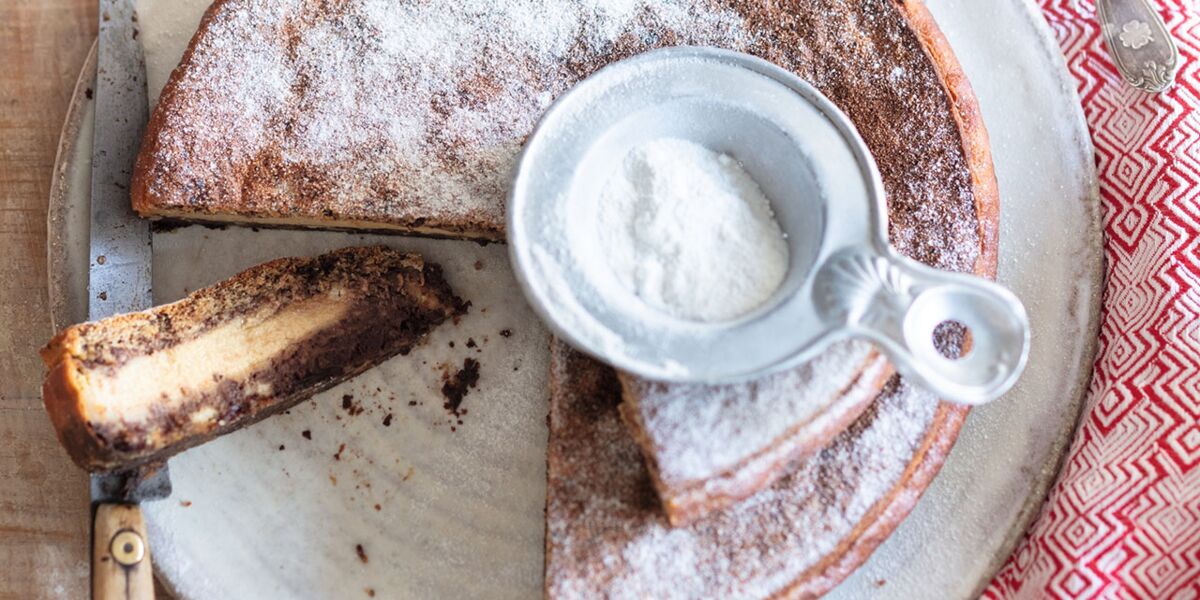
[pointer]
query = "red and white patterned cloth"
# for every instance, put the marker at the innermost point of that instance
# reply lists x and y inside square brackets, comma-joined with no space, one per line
[1123,520]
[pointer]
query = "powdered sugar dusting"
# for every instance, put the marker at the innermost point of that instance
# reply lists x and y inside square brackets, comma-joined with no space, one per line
[682,421]
[606,535]
[385,111]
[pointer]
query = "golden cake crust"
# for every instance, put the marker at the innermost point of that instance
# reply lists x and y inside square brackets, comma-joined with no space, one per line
[337,115]
[257,187]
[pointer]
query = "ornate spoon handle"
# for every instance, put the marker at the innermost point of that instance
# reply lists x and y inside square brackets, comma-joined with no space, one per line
[1140,44]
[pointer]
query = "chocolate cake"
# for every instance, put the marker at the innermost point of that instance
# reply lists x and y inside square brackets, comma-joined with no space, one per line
[142,386]
[807,516]
[906,94]
[357,114]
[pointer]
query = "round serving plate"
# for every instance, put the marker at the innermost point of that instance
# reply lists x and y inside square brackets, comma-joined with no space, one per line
[373,489]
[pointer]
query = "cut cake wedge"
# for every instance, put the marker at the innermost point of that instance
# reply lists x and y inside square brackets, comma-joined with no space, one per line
[141,386]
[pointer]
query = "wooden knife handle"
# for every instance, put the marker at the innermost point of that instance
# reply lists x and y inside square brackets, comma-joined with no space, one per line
[120,554]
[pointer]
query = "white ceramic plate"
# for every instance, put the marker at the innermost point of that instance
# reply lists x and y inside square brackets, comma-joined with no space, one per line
[458,513]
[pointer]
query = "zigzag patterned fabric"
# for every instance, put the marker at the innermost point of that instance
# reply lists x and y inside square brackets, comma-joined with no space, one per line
[1123,520]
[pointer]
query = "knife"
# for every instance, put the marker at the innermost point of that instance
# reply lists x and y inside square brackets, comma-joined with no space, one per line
[119,282]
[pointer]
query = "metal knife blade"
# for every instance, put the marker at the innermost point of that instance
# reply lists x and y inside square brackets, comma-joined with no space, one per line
[120,269]
[119,277]
[150,482]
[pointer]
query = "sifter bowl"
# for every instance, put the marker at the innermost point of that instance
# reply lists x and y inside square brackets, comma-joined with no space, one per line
[843,279]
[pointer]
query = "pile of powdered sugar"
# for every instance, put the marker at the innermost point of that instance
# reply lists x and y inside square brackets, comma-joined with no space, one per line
[690,232]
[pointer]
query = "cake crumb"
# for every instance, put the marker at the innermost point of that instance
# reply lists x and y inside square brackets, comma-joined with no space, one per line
[185,503]
[362,554]
[306,434]
[350,406]
[458,385]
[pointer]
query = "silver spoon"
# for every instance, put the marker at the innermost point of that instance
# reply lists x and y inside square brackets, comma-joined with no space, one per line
[1139,43]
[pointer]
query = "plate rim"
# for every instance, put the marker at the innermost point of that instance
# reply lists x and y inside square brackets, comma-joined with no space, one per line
[58,254]
[1093,303]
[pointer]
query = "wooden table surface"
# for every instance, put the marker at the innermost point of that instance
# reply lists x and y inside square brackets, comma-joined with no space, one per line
[43,496]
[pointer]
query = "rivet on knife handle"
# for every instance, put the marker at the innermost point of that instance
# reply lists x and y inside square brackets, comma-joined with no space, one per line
[1139,43]
[120,556]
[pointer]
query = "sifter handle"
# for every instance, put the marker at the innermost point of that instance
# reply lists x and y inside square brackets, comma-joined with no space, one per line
[898,303]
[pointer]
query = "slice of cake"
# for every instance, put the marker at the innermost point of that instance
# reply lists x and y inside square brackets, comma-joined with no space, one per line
[708,446]
[606,536]
[142,386]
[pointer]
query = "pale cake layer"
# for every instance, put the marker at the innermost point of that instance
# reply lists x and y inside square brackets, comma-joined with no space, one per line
[142,386]
[234,350]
